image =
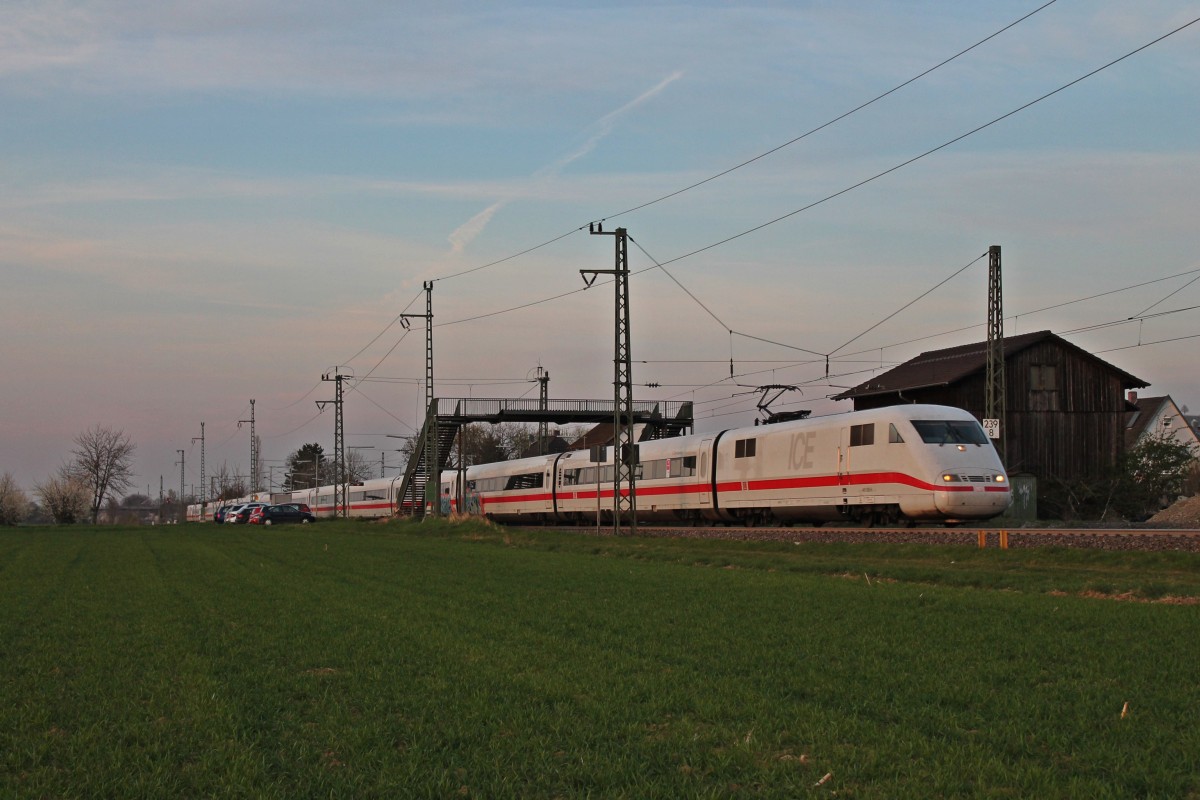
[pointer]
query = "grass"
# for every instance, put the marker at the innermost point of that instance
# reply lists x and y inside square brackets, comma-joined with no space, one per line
[354,660]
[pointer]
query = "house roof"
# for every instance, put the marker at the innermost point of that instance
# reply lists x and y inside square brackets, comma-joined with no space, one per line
[953,364]
[1149,409]
[1138,420]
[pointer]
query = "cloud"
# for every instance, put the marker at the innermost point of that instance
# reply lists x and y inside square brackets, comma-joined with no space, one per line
[464,234]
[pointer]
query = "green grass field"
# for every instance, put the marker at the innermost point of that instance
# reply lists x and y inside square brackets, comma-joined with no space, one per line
[352,660]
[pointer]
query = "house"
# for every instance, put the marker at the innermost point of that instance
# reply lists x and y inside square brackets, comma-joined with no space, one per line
[1065,408]
[1159,416]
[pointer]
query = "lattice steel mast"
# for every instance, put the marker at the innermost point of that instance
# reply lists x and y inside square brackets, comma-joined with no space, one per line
[340,479]
[624,448]
[253,449]
[429,432]
[203,488]
[995,401]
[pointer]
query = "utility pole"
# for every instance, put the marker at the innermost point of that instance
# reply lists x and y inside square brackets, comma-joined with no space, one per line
[182,507]
[624,449]
[339,445]
[254,480]
[202,499]
[996,397]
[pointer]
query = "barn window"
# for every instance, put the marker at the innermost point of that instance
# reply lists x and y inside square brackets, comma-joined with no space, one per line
[861,435]
[744,448]
[1043,387]
[1043,377]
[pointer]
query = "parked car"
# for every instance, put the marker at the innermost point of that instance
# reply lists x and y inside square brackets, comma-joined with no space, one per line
[219,514]
[285,513]
[241,515]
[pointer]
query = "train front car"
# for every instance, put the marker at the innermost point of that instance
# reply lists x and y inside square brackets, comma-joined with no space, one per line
[953,457]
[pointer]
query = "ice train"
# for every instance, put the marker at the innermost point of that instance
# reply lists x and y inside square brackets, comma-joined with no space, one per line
[911,463]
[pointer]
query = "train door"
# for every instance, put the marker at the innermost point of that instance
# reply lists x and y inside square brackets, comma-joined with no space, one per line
[843,465]
[702,468]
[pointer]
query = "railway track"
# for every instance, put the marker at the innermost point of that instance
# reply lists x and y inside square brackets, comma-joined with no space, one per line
[991,537]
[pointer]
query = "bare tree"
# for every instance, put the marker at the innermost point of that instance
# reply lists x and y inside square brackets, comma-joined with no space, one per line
[14,505]
[228,485]
[103,463]
[64,497]
[358,468]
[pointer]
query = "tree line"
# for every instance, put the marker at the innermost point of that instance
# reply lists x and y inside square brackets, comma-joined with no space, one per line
[1150,475]
[90,484]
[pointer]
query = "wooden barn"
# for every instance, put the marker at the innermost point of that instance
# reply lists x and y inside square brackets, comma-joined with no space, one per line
[1066,408]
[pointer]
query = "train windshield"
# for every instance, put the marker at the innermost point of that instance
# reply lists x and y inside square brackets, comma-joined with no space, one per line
[946,431]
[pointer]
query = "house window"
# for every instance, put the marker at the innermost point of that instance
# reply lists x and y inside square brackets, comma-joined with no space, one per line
[861,435]
[744,448]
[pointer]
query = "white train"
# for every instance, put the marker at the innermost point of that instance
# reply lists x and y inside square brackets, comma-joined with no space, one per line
[914,463]
[888,465]
[374,498]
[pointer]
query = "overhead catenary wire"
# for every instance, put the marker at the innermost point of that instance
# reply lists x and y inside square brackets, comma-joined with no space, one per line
[1164,299]
[909,304]
[1016,317]
[811,205]
[857,185]
[755,158]
[386,328]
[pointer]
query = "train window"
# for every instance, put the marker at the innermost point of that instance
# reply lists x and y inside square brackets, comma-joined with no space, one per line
[684,467]
[570,477]
[744,448]
[653,469]
[894,436]
[947,431]
[530,480]
[861,435]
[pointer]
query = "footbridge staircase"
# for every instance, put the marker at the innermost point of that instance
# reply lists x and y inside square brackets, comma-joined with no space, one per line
[446,416]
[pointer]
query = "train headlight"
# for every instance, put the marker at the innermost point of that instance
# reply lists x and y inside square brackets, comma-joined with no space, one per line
[950,477]
[1001,479]
[962,448]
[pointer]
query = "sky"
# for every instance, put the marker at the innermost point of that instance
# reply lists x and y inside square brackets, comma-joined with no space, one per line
[213,201]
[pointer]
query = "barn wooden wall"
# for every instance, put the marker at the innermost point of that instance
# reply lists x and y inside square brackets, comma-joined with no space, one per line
[1074,431]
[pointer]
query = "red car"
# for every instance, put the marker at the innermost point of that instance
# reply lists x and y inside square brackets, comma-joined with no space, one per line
[241,515]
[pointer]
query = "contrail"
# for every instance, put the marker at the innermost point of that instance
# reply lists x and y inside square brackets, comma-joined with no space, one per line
[464,234]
